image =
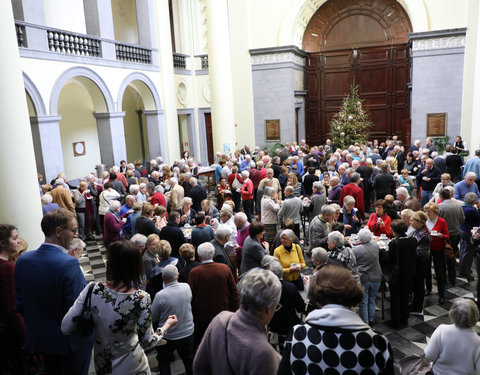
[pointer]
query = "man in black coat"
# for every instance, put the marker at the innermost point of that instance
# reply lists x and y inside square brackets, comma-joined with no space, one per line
[454,164]
[400,156]
[277,168]
[308,180]
[173,234]
[222,236]
[365,173]
[383,183]
[198,193]
[428,177]
[291,303]
[311,160]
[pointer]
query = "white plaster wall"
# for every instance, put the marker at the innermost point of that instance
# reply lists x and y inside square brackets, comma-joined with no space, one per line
[78,124]
[241,73]
[125,20]
[446,14]
[67,15]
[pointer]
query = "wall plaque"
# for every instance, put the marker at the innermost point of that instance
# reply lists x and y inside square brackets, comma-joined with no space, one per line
[272,130]
[79,148]
[436,124]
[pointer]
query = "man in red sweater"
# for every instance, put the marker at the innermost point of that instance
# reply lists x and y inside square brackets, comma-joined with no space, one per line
[247,195]
[356,192]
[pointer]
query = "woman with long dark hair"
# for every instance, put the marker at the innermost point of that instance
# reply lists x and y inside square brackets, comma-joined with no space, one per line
[122,314]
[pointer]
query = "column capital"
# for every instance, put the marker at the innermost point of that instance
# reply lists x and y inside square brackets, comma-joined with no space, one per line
[108,115]
[45,119]
[153,112]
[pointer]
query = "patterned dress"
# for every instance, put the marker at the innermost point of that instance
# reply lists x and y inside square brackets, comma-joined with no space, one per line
[123,329]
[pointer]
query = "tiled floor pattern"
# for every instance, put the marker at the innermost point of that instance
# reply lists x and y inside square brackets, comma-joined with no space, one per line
[411,340]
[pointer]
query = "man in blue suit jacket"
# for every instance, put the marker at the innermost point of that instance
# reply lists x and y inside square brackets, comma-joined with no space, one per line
[47,282]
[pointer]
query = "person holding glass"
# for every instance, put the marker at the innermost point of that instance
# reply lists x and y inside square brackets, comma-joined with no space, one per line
[122,314]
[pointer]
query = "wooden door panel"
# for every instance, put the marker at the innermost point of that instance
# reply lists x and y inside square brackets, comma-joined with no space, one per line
[336,83]
[383,75]
[209,136]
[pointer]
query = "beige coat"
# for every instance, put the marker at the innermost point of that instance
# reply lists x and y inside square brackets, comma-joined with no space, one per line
[176,196]
[62,197]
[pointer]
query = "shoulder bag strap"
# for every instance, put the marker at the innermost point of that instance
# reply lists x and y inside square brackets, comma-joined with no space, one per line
[226,346]
[87,304]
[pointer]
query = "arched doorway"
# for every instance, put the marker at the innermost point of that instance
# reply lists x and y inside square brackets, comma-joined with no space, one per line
[79,99]
[136,138]
[362,42]
[143,121]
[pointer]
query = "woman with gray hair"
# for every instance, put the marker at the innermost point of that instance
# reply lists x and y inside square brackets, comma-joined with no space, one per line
[367,256]
[187,213]
[319,258]
[113,223]
[455,348]
[291,258]
[341,255]
[225,349]
[317,200]
[270,206]
[472,219]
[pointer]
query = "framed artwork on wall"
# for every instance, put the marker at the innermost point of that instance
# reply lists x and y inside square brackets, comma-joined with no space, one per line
[436,124]
[79,148]
[272,130]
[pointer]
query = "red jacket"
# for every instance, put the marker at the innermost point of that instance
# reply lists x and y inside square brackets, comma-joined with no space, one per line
[438,243]
[247,190]
[357,193]
[376,228]
[158,198]
[122,179]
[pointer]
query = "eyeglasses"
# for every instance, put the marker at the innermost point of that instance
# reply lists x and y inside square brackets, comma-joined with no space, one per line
[74,231]
[278,307]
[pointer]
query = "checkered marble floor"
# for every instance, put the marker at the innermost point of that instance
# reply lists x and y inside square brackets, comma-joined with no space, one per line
[405,342]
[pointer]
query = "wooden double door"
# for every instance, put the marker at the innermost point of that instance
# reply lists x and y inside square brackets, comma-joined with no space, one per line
[383,76]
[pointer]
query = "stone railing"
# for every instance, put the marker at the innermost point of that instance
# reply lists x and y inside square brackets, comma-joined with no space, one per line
[179,61]
[204,61]
[132,53]
[21,40]
[73,43]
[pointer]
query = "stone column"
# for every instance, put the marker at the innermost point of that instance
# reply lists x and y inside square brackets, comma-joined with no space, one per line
[31,11]
[156,134]
[471,80]
[48,145]
[165,62]
[20,202]
[221,86]
[99,22]
[111,136]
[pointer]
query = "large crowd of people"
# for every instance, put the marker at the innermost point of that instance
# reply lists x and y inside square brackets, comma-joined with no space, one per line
[203,273]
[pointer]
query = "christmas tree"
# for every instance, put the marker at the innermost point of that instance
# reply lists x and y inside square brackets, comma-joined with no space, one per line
[350,125]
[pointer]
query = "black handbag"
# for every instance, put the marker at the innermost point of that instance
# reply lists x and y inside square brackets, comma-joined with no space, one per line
[84,323]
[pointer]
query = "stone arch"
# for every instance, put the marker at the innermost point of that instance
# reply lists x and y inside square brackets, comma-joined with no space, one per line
[299,15]
[336,25]
[95,85]
[146,89]
[35,96]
